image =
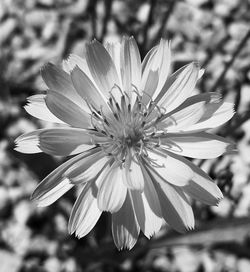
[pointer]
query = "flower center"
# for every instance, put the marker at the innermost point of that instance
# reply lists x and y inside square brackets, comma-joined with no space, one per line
[129,125]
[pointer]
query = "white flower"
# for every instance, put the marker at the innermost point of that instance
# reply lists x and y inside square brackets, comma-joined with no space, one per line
[130,126]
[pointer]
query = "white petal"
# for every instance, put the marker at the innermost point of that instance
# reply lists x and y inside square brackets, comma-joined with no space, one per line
[85,212]
[184,118]
[60,82]
[112,192]
[152,65]
[66,110]
[125,228]
[201,73]
[147,208]
[165,59]
[28,143]
[171,169]
[101,67]
[202,187]
[132,175]
[114,50]
[192,112]
[55,141]
[87,90]
[155,69]
[73,61]
[148,57]
[199,145]
[54,193]
[150,85]
[210,99]
[178,87]
[87,168]
[175,207]
[56,177]
[131,64]
[216,118]
[36,107]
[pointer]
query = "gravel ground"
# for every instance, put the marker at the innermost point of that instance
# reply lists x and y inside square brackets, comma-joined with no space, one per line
[33,32]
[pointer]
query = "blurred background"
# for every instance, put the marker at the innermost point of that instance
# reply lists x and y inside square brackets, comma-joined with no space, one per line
[33,32]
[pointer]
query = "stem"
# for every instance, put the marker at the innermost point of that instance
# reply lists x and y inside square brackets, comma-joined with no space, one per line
[164,21]
[108,9]
[148,23]
[231,61]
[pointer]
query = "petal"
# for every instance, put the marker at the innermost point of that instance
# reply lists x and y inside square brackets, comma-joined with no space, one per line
[131,64]
[178,87]
[150,85]
[73,61]
[87,168]
[114,50]
[212,119]
[192,111]
[112,192]
[147,208]
[148,57]
[54,193]
[55,141]
[60,82]
[132,175]
[206,192]
[184,118]
[210,98]
[165,58]
[202,187]
[197,145]
[155,70]
[67,111]
[170,168]
[125,228]
[175,207]
[56,177]
[101,67]
[36,107]
[87,90]
[85,212]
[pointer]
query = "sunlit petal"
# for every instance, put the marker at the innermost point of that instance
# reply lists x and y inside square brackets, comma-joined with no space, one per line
[86,89]
[85,212]
[67,111]
[132,174]
[37,107]
[57,176]
[199,145]
[131,60]
[178,87]
[125,228]
[176,209]
[54,193]
[101,67]
[112,193]
[55,141]
[173,170]
[147,208]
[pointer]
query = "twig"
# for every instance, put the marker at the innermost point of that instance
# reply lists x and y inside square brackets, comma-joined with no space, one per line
[239,120]
[219,231]
[108,9]
[231,61]
[164,22]
[91,10]
[148,23]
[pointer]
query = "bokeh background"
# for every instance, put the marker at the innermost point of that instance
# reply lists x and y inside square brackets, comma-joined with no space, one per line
[33,32]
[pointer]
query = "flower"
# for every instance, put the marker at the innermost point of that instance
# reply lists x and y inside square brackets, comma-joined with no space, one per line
[130,127]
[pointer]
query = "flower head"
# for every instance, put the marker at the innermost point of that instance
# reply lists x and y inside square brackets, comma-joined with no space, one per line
[130,126]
